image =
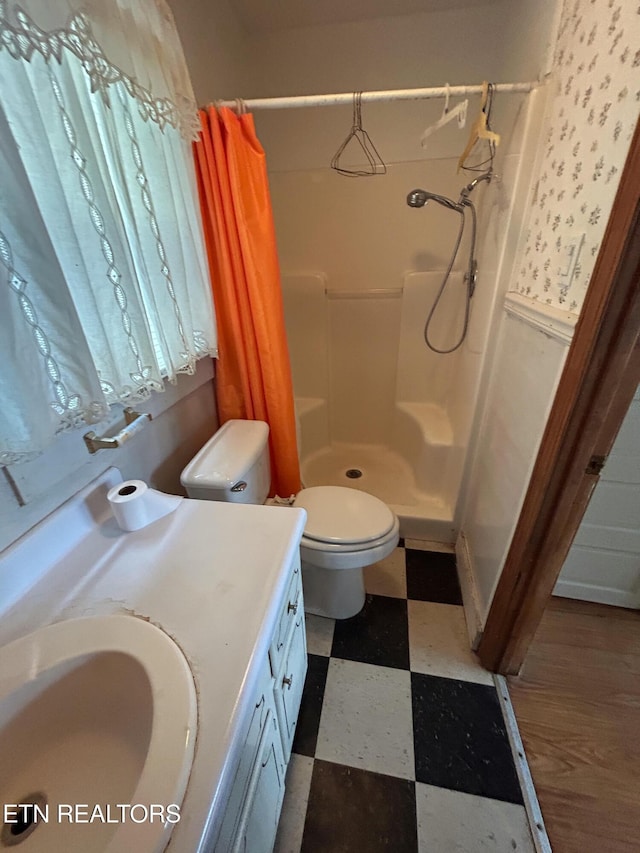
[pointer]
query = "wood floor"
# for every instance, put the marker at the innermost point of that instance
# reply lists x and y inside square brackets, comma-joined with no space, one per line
[577,703]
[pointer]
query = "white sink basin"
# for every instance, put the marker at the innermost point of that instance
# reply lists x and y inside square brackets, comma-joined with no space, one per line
[98,711]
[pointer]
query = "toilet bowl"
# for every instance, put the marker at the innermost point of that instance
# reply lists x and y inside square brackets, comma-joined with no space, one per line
[346,529]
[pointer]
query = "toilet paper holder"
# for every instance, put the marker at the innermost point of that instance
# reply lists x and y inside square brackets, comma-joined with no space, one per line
[134,423]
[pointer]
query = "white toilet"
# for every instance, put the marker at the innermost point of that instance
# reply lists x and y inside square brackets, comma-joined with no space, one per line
[346,529]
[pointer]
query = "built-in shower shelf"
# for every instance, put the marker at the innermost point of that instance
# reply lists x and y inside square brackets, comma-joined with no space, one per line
[432,420]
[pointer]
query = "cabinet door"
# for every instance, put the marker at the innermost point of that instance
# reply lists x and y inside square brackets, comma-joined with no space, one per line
[259,822]
[289,684]
[252,738]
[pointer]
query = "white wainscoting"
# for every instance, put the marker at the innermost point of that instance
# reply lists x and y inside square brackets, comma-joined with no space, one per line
[530,354]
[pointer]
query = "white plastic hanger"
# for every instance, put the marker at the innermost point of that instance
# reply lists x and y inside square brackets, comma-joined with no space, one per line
[458,112]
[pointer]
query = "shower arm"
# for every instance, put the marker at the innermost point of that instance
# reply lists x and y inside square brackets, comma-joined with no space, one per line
[465,191]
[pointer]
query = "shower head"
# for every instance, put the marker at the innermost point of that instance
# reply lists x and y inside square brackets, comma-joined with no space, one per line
[418,198]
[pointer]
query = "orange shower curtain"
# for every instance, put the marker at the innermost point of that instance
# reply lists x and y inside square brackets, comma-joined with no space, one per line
[253,376]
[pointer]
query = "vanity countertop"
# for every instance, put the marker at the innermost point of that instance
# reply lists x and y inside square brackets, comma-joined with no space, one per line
[209,574]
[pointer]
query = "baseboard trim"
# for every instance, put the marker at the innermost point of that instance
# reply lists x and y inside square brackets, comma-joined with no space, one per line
[469,592]
[532,806]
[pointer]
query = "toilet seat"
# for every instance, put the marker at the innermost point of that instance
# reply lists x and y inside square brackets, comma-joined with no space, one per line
[345,528]
[344,517]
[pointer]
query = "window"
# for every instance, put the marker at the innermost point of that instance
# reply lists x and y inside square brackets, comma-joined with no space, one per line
[105,293]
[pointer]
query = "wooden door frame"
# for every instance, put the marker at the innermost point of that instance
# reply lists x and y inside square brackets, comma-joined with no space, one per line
[597,385]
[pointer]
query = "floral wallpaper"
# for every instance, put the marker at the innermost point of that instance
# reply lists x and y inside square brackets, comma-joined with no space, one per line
[592,119]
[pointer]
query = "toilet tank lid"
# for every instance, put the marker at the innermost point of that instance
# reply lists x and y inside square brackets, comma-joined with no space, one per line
[339,514]
[228,455]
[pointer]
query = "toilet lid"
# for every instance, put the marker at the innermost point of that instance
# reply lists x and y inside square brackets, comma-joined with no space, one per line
[338,514]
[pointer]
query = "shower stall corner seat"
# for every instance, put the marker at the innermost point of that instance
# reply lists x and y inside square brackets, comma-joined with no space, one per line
[416,473]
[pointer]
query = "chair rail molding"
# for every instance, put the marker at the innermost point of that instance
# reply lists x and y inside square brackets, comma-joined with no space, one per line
[552,321]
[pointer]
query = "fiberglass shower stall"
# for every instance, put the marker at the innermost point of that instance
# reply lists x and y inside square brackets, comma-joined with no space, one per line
[378,410]
[374,404]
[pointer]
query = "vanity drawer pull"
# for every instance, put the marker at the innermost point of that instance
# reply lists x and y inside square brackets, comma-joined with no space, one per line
[292,608]
[288,681]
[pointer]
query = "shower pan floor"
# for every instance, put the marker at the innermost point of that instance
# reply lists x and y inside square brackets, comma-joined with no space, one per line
[388,476]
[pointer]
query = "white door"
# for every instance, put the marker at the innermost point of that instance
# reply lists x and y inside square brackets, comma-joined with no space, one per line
[604,561]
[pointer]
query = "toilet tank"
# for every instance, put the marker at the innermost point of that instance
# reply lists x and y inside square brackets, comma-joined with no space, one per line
[237,454]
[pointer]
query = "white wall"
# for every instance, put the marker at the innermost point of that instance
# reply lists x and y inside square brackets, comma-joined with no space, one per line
[215,46]
[521,391]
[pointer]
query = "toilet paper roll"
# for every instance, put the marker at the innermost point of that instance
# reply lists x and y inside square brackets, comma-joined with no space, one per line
[135,505]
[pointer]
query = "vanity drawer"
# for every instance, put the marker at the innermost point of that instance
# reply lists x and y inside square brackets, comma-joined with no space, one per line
[289,684]
[291,608]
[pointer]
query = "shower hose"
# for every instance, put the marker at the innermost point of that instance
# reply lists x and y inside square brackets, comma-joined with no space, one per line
[470,278]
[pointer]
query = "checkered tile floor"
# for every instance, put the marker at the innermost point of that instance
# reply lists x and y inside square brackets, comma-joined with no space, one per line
[400,744]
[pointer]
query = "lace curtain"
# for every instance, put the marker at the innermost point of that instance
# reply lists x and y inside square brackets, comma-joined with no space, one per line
[105,292]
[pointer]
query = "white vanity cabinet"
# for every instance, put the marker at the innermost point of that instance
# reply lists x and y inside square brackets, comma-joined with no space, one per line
[238,620]
[251,816]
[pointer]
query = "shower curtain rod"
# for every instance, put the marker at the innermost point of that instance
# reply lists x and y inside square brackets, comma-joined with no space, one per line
[370,97]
